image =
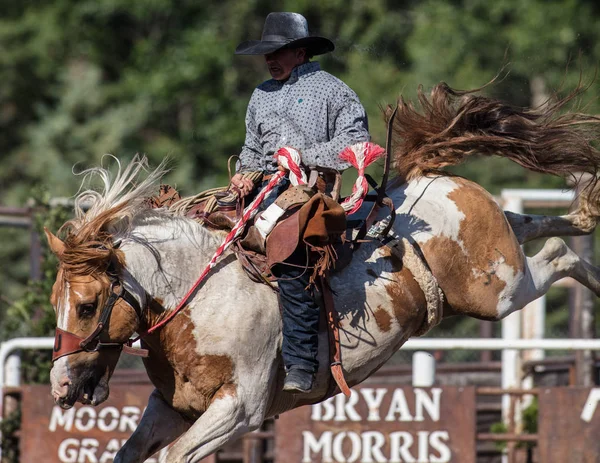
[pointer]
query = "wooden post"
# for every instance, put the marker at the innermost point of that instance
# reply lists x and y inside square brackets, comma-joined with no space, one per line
[253,449]
[582,317]
[35,256]
[486,331]
[581,304]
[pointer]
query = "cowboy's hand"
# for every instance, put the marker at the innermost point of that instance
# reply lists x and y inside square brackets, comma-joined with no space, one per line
[281,168]
[244,185]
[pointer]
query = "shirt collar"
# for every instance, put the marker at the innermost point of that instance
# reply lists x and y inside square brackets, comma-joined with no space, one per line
[302,70]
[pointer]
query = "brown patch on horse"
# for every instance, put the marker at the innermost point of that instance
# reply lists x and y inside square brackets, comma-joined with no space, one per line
[228,390]
[123,322]
[188,381]
[383,319]
[408,301]
[470,281]
[154,312]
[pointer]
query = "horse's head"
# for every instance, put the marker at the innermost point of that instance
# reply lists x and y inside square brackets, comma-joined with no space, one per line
[95,317]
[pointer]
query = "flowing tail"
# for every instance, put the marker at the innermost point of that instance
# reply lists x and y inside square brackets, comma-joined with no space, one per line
[450,125]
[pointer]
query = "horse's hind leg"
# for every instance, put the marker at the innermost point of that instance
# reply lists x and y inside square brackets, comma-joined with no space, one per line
[582,221]
[553,262]
[160,425]
[528,227]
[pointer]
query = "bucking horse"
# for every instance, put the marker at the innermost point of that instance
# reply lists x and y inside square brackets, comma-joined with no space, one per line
[216,366]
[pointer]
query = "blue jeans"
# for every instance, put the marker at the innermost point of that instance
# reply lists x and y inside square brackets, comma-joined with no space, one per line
[283,185]
[300,312]
[300,308]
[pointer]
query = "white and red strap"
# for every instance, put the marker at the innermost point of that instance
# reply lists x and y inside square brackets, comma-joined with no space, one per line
[290,158]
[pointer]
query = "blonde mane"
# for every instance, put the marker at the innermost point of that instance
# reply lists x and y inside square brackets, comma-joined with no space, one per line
[104,216]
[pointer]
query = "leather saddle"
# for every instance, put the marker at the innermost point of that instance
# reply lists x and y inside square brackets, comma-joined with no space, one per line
[313,218]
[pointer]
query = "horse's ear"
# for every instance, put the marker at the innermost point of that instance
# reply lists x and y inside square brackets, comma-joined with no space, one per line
[55,243]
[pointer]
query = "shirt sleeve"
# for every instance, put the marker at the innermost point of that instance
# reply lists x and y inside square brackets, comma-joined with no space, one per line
[250,158]
[348,125]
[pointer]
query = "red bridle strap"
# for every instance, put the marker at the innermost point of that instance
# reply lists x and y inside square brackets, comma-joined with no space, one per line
[65,343]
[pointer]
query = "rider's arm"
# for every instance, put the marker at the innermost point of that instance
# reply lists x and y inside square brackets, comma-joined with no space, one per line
[348,120]
[251,158]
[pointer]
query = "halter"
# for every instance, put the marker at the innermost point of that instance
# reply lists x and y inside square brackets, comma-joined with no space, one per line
[66,343]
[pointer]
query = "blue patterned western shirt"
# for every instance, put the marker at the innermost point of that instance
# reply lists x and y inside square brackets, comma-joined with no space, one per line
[312,111]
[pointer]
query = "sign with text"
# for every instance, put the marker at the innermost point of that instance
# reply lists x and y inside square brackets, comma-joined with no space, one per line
[569,424]
[82,434]
[382,424]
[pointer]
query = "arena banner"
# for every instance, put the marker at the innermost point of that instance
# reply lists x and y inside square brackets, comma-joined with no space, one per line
[382,424]
[82,434]
[569,424]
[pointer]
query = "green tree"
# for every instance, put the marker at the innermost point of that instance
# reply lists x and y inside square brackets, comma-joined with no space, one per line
[82,78]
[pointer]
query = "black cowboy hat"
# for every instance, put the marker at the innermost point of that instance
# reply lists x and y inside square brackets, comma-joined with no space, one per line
[285,30]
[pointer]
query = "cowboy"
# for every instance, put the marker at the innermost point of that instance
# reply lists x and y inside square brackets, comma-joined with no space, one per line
[316,113]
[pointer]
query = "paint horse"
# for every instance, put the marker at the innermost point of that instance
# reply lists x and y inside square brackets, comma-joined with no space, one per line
[216,366]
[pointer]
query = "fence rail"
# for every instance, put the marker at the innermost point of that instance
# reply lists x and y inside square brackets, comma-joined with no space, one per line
[7,347]
[417,344]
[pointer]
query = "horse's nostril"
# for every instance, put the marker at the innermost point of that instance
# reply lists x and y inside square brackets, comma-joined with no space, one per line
[61,390]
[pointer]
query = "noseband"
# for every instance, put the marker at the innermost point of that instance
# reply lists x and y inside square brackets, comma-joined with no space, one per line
[66,343]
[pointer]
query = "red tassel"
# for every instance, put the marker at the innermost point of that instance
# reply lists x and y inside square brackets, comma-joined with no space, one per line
[372,153]
[348,155]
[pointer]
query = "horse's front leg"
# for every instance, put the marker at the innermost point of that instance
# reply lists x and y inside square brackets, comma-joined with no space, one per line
[160,425]
[227,418]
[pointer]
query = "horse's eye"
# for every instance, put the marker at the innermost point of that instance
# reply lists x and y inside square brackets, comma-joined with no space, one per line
[86,310]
